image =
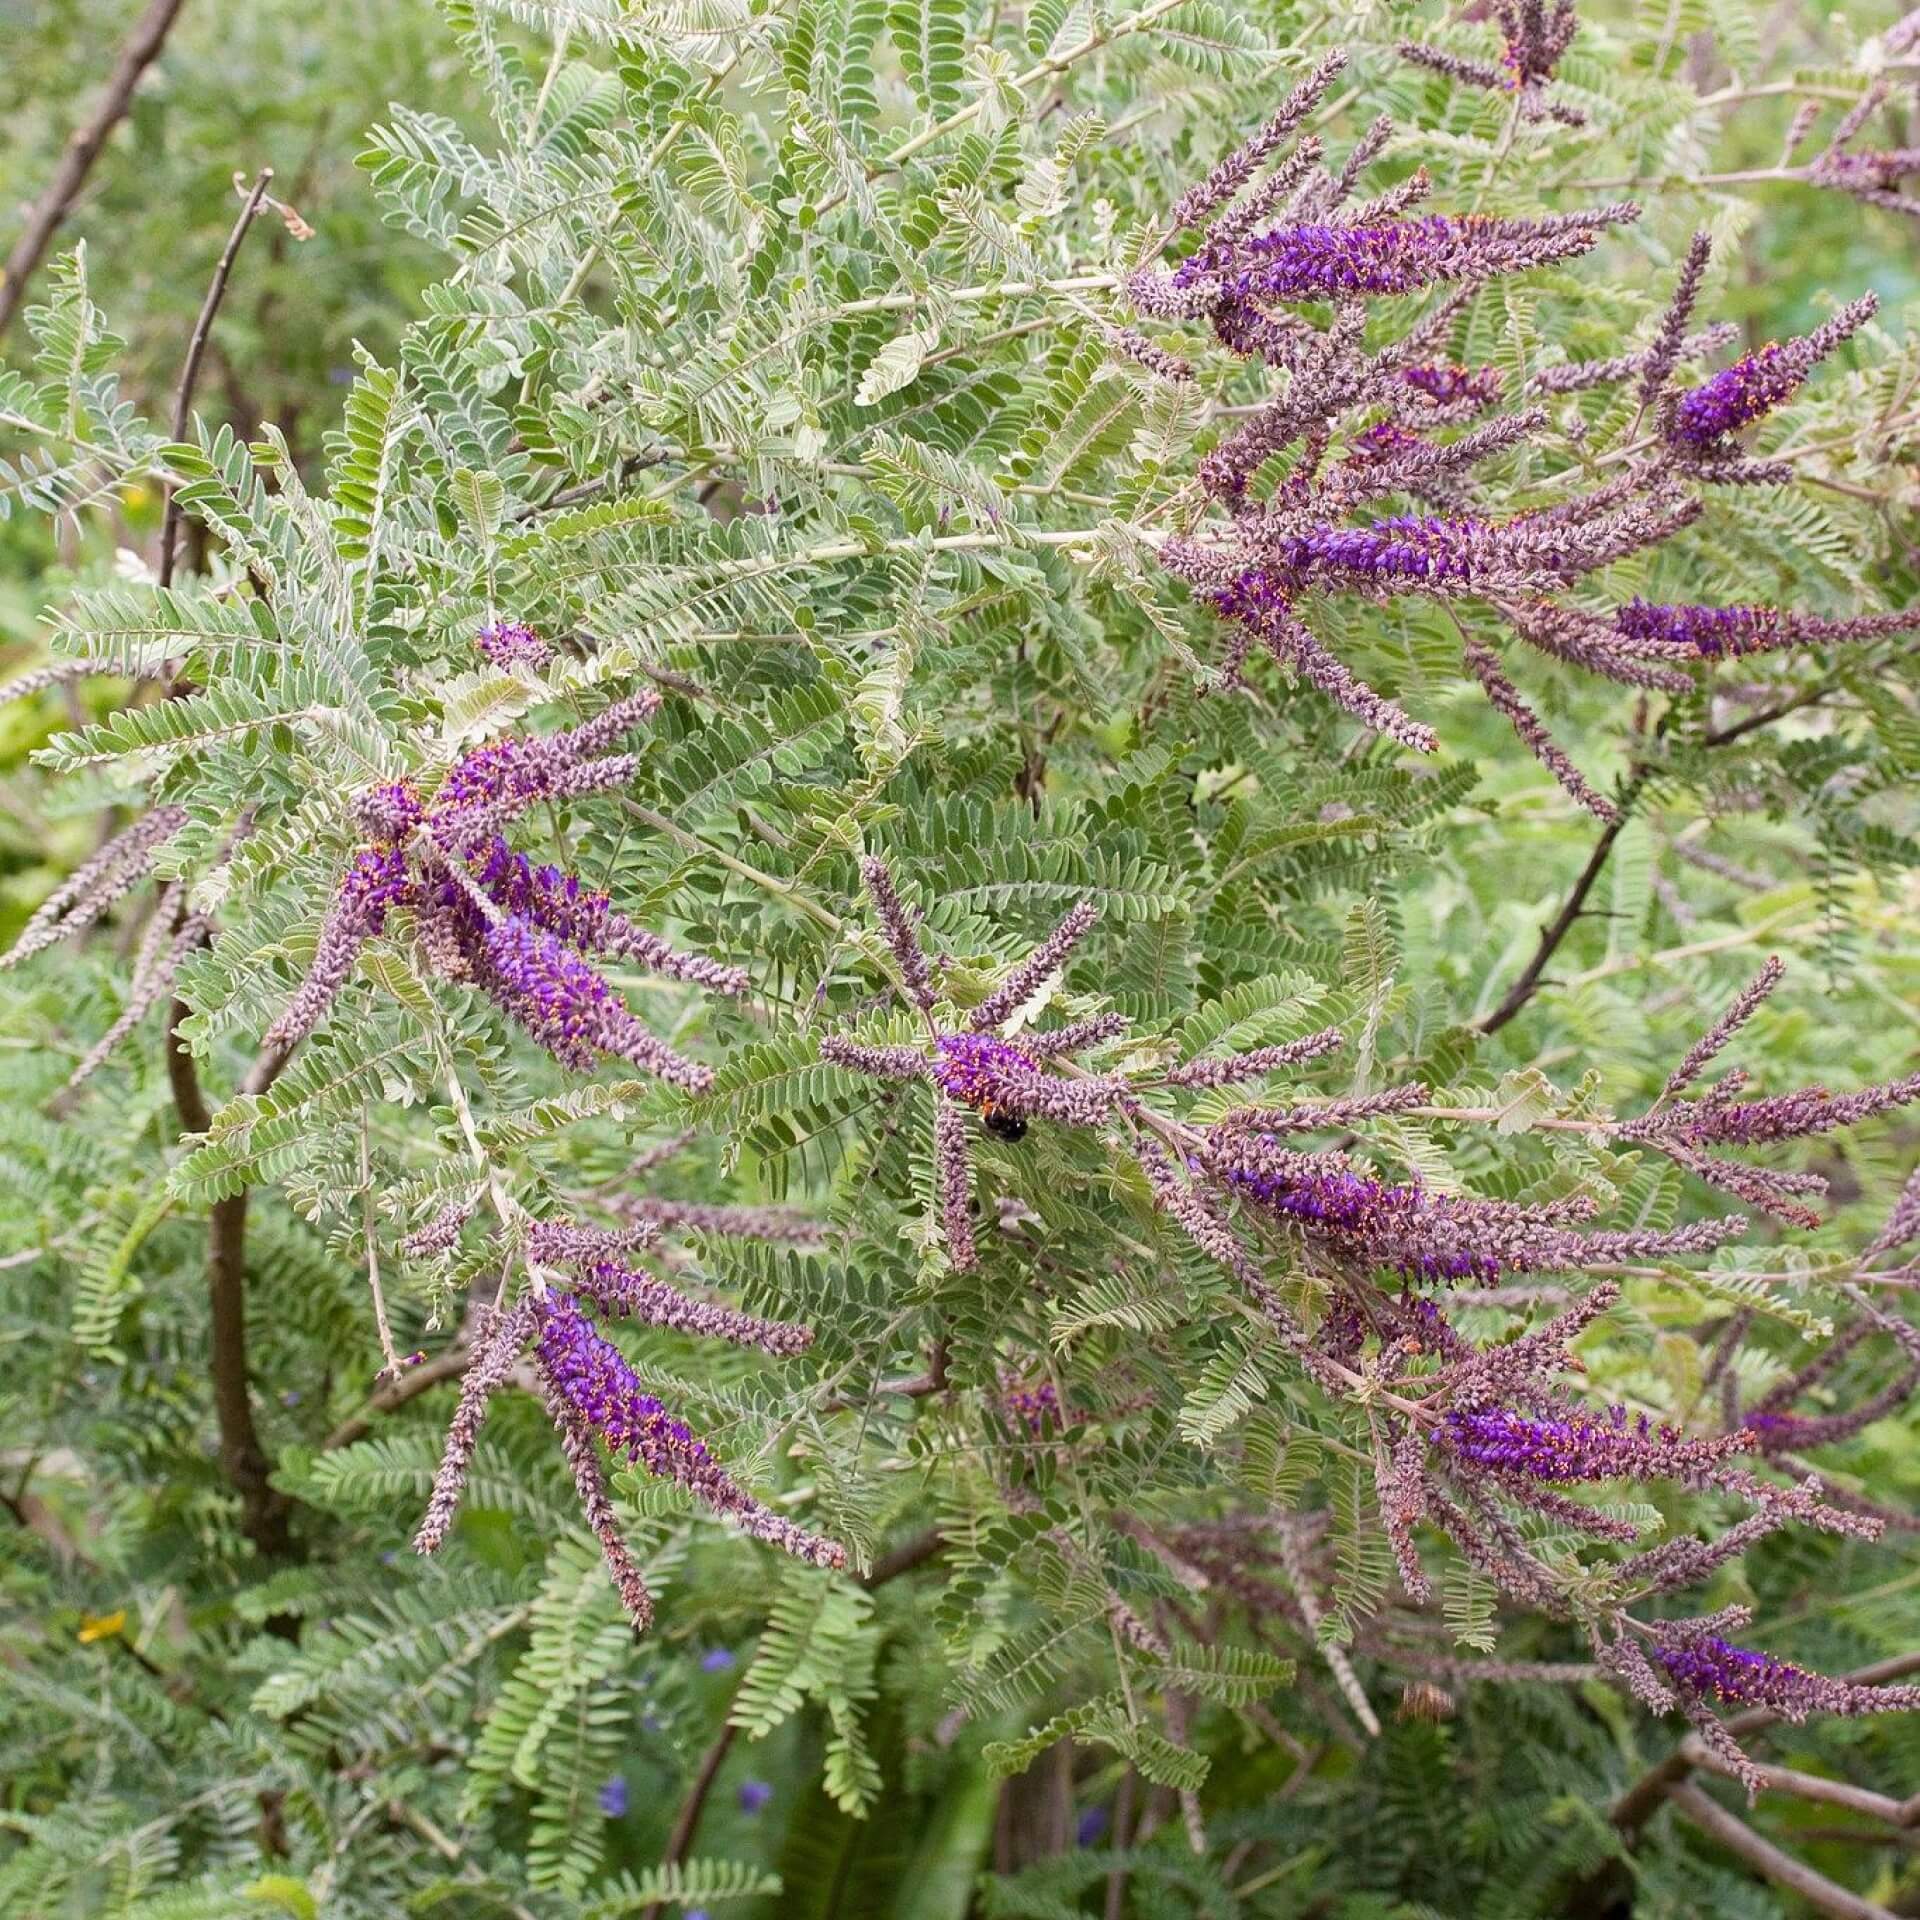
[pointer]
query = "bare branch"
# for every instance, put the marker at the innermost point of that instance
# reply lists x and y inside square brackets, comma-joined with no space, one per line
[1820,1893]
[137,54]
[196,350]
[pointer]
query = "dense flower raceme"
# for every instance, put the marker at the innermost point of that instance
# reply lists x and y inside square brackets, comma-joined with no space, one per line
[1712,1668]
[1005,1083]
[1449,388]
[591,1390]
[1872,177]
[1703,418]
[1424,1236]
[1313,259]
[592,1378]
[1717,631]
[1536,37]
[572,1260]
[1360,428]
[484,912]
[1037,1408]
[511,645]
[1572,1446]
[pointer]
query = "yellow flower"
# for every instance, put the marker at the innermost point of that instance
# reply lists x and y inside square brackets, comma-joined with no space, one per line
[102,1626]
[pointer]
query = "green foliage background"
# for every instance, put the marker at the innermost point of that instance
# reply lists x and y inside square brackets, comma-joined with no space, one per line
[565,245]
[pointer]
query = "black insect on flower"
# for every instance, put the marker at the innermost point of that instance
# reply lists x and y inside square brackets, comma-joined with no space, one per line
[974,1067]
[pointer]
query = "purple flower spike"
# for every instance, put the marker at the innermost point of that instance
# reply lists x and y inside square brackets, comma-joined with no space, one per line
[1737,630]
[1758,382]
[754,1795]
[1708,1667]
[1007,1085]
[376,880]
[633,1291]
[1449,386]
[1536,36]
[716,1660]
[511,645]
[486,913]
[1429,1236]
[613,1797]
[1314,260]
[978,1070]
[501,780]
[550,991]
[589,921]
[592,1379]
[1574,1446]
[1004,1083]
[388,813]
[1346,1203]
[1038,1408]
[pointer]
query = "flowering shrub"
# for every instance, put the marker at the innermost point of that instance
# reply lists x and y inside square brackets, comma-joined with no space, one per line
[1253,1301]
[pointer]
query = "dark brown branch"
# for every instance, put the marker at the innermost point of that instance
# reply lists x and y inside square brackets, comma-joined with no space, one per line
[1562,924]
[1648,1794]
[1720,736]
[687,1820]
[449,1364]
[905,1557]
[911,1387]
[45,217]
[196,352]
[1811,1786]
[33,1514]
[182,1076]
[592,489]
[243,1458]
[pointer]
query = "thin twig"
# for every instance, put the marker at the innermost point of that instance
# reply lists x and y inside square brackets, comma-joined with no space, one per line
[1562,924]
[448,1364]
[905,1557]
[1721,736]
[1810,1786]
[687,1821]
[196,351]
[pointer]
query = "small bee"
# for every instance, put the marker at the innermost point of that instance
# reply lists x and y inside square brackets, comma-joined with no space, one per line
[1422,1700]
[1003,1126]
